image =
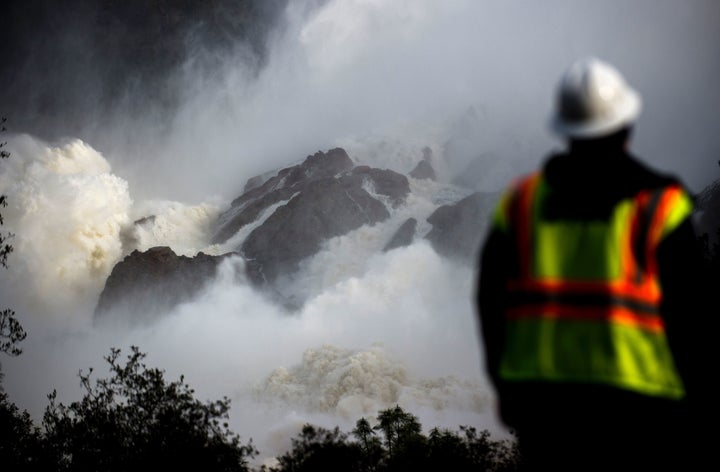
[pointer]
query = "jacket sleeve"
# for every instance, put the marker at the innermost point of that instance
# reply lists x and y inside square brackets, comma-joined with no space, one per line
[496,259]
[688,311]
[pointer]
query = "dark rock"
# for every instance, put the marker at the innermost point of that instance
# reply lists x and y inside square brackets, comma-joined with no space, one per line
[293,212]
[249,205]
[458,229]
[146,219]
[384,182]
[424,170]
[146,284]
[403,236]
[326,197]
[254,182]
[324,209]
[240,215]
[128,236]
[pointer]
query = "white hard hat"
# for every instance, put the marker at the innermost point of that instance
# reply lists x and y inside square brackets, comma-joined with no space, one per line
[594,100]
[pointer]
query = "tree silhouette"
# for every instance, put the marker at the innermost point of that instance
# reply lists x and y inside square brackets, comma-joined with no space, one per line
[20,440]
[320,449]
[11,331]
[369,443]
[135,420]
[19,437]
[403,439]
[398,427]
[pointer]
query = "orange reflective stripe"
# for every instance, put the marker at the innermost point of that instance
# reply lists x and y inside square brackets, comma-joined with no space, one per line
[612,314]
[521,216]
[643,227]
[667,200]
[646,292]
[630,269]
[632,299]
[618,293]
[617,314]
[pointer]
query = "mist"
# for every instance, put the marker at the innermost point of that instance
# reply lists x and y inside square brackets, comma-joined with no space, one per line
[472,80]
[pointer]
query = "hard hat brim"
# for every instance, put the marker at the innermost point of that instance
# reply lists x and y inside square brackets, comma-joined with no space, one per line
[625,116]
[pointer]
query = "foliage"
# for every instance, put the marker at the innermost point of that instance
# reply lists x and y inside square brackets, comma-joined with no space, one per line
[20,440]
[5,248]
[318,449]
[370,445]
[19,437]
[135,420]
[398,427]
[404,441]
[405,448]
[11,331]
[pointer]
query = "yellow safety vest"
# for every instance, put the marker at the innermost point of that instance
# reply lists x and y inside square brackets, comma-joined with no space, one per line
[584,305]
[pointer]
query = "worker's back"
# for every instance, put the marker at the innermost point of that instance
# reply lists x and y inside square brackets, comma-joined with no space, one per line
[583,296]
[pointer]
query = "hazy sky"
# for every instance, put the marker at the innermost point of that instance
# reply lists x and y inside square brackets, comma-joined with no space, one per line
[481,74]
[380,75]
[472,79]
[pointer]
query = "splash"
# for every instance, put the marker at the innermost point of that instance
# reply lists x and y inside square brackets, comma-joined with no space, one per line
[354,384]
[67,211]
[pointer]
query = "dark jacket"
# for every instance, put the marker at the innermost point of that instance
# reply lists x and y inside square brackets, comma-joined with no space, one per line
[588,185]
[620,426]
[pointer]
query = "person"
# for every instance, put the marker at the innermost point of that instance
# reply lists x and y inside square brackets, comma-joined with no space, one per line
[590,295]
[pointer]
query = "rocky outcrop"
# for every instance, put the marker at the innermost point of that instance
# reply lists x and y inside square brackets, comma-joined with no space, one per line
[323,197]
[403,236]
[288,216]
[260,196]
[323,209]
[424,169]
[382,182]
[145,284]
[458,229]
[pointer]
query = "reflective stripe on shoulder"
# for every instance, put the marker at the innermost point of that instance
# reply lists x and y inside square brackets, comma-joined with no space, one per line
[677,206]
[503,217]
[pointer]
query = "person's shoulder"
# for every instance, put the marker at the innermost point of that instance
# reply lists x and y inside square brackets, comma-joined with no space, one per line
[509,197]
[646,177]
[673,196]
[521,180]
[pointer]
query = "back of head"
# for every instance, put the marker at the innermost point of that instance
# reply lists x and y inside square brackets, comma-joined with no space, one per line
[593,102]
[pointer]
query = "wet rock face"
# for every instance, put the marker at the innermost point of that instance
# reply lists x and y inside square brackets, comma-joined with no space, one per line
[383,182]
[259,195]
[458,229]
[145,284]
[293,212]
[323,209]
[403,236]
[289,215]
[325,196]
[423,171]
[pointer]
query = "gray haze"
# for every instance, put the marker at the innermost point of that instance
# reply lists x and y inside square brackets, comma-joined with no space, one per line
[472,80]
[480,74]
[474,77]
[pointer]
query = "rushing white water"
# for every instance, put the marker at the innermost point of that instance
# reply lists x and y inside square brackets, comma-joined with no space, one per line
[377,329]
[470,80]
